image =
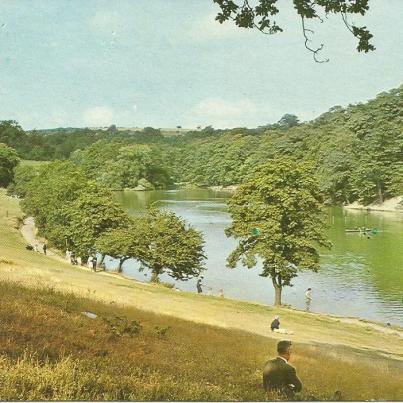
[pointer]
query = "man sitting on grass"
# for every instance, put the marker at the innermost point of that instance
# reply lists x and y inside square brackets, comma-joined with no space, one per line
[279,375]
[275,327]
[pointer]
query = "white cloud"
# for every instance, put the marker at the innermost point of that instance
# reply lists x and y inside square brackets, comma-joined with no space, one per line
[98,116]
[223,113]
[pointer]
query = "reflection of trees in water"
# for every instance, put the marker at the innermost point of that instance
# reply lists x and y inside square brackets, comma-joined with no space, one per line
[376,261]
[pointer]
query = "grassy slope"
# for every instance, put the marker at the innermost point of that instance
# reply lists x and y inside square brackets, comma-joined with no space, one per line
[192,361]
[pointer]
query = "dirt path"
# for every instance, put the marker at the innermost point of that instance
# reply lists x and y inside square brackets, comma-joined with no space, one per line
[28,231]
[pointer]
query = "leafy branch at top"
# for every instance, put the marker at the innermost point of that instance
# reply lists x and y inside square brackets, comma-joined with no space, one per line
[260,16]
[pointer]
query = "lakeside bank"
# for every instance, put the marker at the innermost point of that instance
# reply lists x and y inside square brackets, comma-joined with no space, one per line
[395,204]
[33,269]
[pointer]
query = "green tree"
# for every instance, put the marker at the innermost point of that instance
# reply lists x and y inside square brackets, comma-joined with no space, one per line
[8,161]
[57,185]
[23,175]
[288,120]
[174,247]
[130,242]
[277,218]
[70,210]
[89,216]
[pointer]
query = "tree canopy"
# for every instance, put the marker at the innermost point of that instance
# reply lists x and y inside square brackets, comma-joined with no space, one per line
[277,218]
[128,242]
[175,247]
[70,210]
[8,161]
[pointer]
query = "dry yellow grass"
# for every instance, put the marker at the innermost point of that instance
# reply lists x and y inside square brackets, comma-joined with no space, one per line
[50,350]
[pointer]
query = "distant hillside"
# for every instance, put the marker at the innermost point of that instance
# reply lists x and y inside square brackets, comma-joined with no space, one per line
[167,132]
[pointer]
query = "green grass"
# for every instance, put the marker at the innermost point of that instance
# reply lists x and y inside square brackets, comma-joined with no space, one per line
[50,350]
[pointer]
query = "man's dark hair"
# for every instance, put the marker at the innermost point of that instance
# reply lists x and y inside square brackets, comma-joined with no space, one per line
[283,346]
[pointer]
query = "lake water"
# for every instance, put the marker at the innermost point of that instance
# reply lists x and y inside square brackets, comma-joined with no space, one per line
[359,277]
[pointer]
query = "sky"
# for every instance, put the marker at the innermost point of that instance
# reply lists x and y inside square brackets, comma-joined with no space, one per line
[164,63]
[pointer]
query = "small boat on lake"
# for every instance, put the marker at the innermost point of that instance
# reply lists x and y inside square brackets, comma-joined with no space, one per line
[363,230]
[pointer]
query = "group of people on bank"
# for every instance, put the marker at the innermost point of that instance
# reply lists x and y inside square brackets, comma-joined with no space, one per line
[72,258]
[36,248]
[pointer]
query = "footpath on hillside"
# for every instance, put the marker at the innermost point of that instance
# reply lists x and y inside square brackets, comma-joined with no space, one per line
[34,269]
[28,231]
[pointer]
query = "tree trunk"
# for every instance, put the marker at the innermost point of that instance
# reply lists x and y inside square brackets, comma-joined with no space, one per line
[277,295]
[380,194]
[121,261]
[156,271]
[277,290]
[101,263]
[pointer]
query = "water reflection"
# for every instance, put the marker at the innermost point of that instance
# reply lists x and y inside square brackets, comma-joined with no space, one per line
[358,277]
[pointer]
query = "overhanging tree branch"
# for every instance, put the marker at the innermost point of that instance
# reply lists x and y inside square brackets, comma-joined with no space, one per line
[307,40]
[259,14]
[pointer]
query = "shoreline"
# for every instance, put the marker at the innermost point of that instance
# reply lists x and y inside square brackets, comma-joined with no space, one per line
[393,205]
[57,255]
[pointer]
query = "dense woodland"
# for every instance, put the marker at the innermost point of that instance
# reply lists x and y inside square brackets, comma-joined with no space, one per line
[357,150]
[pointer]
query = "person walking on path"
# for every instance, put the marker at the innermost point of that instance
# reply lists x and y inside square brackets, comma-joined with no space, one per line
[68,256]
[94,263]
[279,375]
[199,286]
[73,258]
[89,262]
[308,299]
[45,248]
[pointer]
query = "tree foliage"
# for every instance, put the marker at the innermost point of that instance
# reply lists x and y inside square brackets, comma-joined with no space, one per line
[8,161]
[357,150]
[70,210]
[277,218]
[119,166]
[161,241]
[23,175]
[175,247]
[75,212]
[260,14]
[123,243]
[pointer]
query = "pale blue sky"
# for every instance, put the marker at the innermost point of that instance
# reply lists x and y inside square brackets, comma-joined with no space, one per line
[164,63]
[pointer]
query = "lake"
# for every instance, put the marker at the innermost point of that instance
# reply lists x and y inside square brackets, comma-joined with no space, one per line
[359,277]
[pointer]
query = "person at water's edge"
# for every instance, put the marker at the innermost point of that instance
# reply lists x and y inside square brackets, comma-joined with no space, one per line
[199,286]
[279,375]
